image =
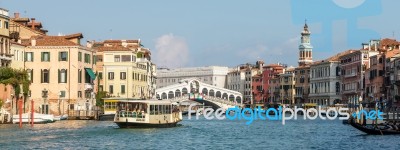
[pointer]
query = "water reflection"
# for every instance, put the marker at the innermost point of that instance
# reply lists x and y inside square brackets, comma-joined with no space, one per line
[198,134]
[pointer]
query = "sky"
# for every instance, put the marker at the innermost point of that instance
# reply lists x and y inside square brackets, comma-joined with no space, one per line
[182,33]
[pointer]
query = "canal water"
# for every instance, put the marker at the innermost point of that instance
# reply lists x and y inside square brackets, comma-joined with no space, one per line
[194,134]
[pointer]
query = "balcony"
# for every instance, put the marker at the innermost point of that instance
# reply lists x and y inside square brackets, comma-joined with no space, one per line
[350,75]
[88,86]
[298,95]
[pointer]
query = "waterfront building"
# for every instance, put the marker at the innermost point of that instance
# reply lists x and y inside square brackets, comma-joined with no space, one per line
[394,75]
[391,50]
[125,69]
[270,82]
[240,79]
[287,86]
[302,84]
[325,81]
[257,89]
[24,28]
[374,77]
[353,66]
[17,50]
[274,90]
[5,54]
[213,75]
[21,30]
[61,73]
[235,79]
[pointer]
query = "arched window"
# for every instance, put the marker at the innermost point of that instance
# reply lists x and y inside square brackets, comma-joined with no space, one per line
[45,76]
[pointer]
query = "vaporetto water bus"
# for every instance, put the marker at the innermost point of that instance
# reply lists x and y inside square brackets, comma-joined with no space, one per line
[146,113]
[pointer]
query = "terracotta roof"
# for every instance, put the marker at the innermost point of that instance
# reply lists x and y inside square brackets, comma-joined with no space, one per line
[387,41]
[37,24]
[257,76]
[76,35]
[112,41]
[338,55]
[51,41]
[132,41]
[391,53]
[20,19]
[28,28]
[16,43]
[112,48]
[120,41]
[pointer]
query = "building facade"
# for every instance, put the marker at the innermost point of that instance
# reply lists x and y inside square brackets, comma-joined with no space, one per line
[5,54]
[302,85]
[213,75]
[125,69]
[287,86]
[271,84]
[61,73]
[325,82]
[353,66]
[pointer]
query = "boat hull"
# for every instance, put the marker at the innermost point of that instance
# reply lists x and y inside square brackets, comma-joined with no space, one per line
[145,125]
[38,118]
[373,131]
[107,117]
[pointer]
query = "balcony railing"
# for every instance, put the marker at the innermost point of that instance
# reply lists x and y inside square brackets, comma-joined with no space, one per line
[88,86]
[350,75]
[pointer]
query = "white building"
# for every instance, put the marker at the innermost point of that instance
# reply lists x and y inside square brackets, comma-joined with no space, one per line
[213,75]
[325,82]
[240,79]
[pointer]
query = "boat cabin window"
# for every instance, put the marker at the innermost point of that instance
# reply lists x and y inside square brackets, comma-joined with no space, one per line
[151,109]
[129,109]
[109,105]
[160,109]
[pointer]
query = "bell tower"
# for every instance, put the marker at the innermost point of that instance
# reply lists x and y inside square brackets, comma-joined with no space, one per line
[305,47]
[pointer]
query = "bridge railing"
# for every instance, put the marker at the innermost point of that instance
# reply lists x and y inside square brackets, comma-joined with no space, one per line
[223,101]
[210,98]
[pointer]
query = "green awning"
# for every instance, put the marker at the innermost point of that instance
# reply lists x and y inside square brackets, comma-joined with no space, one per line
[91,73]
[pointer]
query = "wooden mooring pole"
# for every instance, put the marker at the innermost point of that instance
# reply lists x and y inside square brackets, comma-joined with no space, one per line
[20,112]
[32,112]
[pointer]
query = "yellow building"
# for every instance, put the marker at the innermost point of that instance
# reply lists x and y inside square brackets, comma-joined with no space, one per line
[127,71]
[5,54]
[287,86]
[61,73]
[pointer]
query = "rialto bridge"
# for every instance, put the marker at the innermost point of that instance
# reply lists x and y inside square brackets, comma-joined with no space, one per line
[192,89]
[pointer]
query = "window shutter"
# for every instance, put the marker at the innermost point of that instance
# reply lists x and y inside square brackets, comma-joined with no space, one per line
[66,70]
[32,56]
[42,56]
[48,76]
[66,56]
[25,57]
[31,75]
[59,76]
[41,75]
[59,56]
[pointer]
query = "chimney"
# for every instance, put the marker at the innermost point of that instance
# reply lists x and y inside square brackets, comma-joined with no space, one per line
[16,15]
[33,23]
[33,42]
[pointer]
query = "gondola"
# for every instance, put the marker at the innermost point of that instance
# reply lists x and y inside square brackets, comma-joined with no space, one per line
[374,131]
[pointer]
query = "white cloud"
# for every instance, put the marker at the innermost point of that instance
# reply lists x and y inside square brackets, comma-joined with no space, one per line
[171,51]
